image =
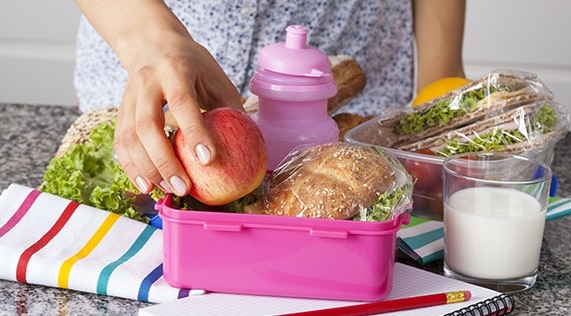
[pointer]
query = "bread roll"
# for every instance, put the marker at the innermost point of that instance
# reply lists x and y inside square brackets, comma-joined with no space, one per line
[80,129]
[346,121]
[334,181]
[349,78]
[78,132]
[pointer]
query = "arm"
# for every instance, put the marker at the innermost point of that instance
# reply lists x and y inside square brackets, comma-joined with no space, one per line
[439,31]
[164,65]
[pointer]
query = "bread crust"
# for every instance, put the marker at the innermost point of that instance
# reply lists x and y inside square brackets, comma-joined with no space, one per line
[78,132]
[346,121]
[350,80]
[335,181]
[520,118]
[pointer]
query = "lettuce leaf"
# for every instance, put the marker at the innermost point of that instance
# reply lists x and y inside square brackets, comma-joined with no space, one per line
[393,201]
[88,174]
[443,111]
[383,207]
[543,121]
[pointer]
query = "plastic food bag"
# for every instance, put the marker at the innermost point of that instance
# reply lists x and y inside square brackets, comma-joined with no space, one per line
[337,181]
[486,99]
[516,113]
[528,128]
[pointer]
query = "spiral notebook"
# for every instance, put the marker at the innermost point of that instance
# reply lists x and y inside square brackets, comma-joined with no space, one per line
[408,282]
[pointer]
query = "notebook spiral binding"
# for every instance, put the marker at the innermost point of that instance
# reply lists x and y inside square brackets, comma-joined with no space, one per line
[499,305]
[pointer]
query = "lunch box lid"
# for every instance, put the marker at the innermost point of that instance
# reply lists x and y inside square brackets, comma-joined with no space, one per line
[224,221]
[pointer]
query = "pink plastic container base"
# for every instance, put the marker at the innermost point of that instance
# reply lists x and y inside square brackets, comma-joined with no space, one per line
[278,255]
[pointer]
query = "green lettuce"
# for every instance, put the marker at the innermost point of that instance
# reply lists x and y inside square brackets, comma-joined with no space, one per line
[443,111]
[383,207]
[88,174]
[543,121]
[391,200]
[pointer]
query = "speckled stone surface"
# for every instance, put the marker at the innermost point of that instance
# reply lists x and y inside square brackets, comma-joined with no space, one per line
[30,135]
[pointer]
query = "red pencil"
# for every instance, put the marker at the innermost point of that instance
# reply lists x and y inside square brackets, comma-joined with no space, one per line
[391,305]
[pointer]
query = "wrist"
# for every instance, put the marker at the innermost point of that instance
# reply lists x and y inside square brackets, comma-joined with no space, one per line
[151,29]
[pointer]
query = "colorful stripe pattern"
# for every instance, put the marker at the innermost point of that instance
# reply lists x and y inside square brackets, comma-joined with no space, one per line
[44,240]
[558,207]
[22,210]
[51,241]
[65,269]
[48,240]
[423,239]
[103,280]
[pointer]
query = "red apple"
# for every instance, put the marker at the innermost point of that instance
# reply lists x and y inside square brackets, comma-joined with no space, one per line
[240,164]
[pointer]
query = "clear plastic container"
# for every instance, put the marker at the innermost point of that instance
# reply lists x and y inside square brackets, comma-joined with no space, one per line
[505,110]
[425,169]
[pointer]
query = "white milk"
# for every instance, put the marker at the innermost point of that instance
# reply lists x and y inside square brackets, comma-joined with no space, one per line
[493,233]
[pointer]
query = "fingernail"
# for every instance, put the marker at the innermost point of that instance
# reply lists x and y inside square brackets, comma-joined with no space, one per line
[178,185]
[164,185]
[203,154]
[142,184]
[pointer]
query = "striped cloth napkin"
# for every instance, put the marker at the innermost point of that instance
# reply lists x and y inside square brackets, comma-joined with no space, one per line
[423,239]
[52,241]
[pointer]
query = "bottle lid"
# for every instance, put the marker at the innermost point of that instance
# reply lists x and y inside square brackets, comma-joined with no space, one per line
[294,56]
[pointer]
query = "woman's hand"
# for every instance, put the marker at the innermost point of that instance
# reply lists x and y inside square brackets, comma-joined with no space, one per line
[165,66]
[182,74]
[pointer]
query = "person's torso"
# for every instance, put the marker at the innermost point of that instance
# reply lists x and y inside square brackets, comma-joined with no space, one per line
[378,34]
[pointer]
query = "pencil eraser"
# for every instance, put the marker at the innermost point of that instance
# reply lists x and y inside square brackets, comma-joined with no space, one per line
[467,295]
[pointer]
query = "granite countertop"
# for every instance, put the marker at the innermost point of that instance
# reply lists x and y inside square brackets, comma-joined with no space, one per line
[30,136]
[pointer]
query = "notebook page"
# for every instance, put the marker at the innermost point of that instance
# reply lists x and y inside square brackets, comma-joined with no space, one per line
[408,281]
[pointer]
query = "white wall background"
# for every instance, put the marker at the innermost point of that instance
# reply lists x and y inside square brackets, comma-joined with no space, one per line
[37,45]
[37,51]
[530,35]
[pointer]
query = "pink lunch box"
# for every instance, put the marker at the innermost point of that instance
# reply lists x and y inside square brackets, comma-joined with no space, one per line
[278,255]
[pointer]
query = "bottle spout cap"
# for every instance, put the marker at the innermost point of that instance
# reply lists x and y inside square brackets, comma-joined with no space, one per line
[294,56]
[296,37]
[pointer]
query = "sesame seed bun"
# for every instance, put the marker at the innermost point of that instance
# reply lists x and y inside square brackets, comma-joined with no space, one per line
[334,181]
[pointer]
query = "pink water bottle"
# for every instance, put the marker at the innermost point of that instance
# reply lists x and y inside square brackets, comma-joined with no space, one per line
[293,82]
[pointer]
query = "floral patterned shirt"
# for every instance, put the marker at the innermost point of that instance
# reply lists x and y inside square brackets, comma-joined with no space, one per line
[377,33]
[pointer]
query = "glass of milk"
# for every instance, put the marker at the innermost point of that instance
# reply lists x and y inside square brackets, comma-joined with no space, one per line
[494,215]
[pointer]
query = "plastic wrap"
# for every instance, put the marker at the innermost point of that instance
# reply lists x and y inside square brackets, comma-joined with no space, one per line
[517,114]
[532,127]
[338,181]
[494,94]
